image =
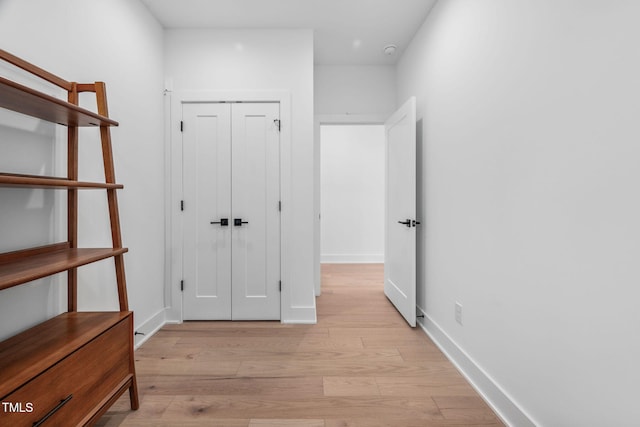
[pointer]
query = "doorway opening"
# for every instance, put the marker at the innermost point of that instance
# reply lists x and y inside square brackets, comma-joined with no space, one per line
[352,185]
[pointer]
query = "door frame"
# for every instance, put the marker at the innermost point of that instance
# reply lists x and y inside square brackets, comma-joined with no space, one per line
[321,120]
[174,234]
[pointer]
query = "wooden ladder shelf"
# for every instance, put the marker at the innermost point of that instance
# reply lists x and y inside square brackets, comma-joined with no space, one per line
[73,367]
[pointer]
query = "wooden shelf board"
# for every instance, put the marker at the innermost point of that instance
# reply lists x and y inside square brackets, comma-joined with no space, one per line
[33,181]
[25,269]
[31,352]
[16,97]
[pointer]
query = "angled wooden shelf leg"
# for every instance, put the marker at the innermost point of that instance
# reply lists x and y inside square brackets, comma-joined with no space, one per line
[72,203]
[114,217]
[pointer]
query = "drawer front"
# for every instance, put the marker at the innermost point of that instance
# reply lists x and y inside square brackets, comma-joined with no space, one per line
[88,376]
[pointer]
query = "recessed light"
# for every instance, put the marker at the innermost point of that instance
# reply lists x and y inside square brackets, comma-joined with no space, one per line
[357,43]
[390,49]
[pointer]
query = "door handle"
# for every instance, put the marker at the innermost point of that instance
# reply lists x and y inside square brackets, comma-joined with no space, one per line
[414,223]
[238,222]
[407,222]
[223,222]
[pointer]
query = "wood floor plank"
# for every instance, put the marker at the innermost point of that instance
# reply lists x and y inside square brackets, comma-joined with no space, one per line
[360,366]
[457,402]
[126,422]
[286,423]
[408,386]
[186,407]
[350,386]
[184,366]
[258,343]
[400,332]
[151,408]
[311,344]
[464,408]
[472,414]
[232,386]
[390,341]
[249,332]
[238,354]
[405,422]
[421,351]
[298,368]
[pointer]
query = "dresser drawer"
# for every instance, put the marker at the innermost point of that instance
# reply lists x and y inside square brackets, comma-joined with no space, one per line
[77,385]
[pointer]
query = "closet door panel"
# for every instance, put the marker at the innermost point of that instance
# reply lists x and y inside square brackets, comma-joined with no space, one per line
[255,205]
[207,194]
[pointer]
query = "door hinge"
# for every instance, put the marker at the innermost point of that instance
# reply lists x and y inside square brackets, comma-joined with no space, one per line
[181,126]
[277,123]
[279,206]
[280,285]
[182,285]
[181,205]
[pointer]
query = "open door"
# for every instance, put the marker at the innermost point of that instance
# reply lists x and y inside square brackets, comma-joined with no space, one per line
[400,218]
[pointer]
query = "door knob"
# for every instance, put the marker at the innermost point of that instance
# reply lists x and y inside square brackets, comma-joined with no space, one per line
[223,222]
[414,223]
[407,222]
[238,222]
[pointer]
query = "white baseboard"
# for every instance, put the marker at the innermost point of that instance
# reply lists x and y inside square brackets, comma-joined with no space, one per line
[351,258]
[149,327]
[301,315]
[500,401]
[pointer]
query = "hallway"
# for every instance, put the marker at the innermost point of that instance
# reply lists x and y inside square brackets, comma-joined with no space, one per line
[360,366]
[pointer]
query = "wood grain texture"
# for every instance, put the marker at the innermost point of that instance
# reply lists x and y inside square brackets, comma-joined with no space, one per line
[30,353]
[360,366]
[22,99]
[36,181]
[45,264]
[72,201]
[105,364]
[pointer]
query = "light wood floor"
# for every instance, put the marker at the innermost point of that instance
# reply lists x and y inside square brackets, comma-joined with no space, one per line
[361,365]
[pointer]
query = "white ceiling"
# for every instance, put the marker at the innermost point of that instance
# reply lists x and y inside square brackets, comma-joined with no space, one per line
[345,31]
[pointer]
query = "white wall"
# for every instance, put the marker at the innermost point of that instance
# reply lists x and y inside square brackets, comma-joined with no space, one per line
[264,60]
[354,89]
[118,42]
[352,193]
[528,141]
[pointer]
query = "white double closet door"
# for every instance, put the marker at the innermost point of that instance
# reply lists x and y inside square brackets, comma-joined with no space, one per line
[231,176]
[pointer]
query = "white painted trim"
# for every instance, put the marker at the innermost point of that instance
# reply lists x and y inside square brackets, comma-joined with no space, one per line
[330,119]
[168,266]
[149,327]
[302,315]
[496,397]
[352,259]
[174,229]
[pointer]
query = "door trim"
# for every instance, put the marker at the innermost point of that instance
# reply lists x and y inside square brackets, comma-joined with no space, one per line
[174,190]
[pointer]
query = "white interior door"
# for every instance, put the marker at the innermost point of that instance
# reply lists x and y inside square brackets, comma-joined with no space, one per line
[231,183]
[400,218]
[207,196]
[256,211]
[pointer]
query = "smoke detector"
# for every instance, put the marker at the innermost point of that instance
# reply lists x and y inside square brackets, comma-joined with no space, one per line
[390,50]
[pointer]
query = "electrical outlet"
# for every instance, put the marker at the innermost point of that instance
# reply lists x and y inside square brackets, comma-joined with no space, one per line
[458,312]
